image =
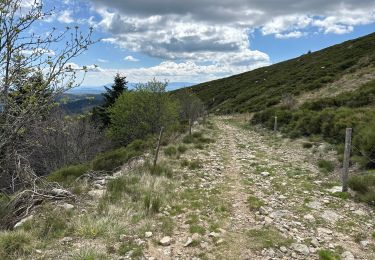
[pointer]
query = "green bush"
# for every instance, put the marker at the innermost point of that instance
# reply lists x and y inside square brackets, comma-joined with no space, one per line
[364,185]
[364,141]
[170,151]
[14,244]
[188,139]
[182,148]
[161,169]
[326,166]
[69,174]
[196,164]
[307,145]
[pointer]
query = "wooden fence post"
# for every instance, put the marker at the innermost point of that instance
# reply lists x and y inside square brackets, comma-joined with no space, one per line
[345,170]
[190,125]
[275,125]
[158,146]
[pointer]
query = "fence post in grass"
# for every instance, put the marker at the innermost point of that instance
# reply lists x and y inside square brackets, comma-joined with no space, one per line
[158,146]
[190,125]
[275,125]
[345,170]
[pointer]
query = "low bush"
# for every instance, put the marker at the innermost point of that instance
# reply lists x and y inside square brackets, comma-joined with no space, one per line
[161,169]
[307,145]
[152,202]
[182,148]
[254,203]
[170,151]
[326,166]
[69,174]
[196,164]
[188,139]
[364,185]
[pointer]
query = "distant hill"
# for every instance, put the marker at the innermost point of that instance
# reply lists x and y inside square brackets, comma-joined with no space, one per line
[82,90]
[264,87]
[77,104]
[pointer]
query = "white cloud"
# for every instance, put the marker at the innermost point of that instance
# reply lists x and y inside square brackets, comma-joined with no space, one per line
[131,58]
[65,17]
[294,34]
[102,60]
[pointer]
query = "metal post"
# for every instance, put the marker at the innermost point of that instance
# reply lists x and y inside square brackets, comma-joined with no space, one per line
[275,125]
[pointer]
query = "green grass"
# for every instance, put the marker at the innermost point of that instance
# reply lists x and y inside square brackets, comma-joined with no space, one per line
[170,151]
[194,228]
[254,203]
[129,246]
[307,145]
[328,255]
[266,238]
[15,244]
[67,175]
[89,254]
[364,185]
[182,148]
[326,166]
[195,164]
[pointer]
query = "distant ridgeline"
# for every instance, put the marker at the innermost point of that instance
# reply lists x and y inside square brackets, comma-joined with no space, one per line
[77,104]
[317,94]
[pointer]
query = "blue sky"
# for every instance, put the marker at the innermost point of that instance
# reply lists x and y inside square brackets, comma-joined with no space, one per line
[200,40]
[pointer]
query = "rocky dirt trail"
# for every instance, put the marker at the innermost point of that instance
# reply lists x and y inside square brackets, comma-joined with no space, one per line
[258,196]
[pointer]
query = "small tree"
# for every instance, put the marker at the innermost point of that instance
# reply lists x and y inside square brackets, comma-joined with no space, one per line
[34,70]
[144,111]
[191,107]
[100,113]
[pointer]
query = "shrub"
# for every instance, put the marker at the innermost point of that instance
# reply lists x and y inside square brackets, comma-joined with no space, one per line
[188,139]
[161,170]
[69,174]
[14,244]
[182,148]
[307,145]
[170,151]
[326,166]
[364,141]
[130,246]
[193,165]
[197,135]
[364,185]
[152,202]
[53,225]
[328,255]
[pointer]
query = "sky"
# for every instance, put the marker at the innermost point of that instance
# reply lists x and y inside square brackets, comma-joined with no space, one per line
[200,40]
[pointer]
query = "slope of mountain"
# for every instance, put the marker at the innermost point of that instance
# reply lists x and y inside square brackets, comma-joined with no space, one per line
[264,87]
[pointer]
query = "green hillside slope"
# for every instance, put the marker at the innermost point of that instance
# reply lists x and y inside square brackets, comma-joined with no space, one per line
[264,87]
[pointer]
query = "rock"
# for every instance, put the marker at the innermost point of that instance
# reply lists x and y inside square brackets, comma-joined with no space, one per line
[263,211]
[347,256]
[324,231]
[364,243]
[283,249]
[195,236]
[67,206]
[330,216]
[265,174]
[315,242]
[22,221]
[165,241]
[314,205]
[360,212]
[148,234]
[220,241]
[188,242]
[96,193]
[309,217]
[60,192]
[335,189]
[214,234]
[268,220]
[67,240]
[279,213]
[301,248]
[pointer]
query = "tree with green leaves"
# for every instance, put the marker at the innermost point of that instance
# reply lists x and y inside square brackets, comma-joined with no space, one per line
[142,112]
[100,113]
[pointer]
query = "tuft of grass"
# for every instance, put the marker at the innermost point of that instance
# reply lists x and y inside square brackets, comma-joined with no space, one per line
[195,164]
[170,151]
[188,139]
[167,225]
[341,195]
[112,160]
[161,169]
[326,166]
[14,244]
[55,224]
[89,254]
[182,148]
[254,203]
[373,235]
[67,175]
[197,135]
[197,229]
[92,227]
[266,238]
[130,246]
[328,255]
[152,202]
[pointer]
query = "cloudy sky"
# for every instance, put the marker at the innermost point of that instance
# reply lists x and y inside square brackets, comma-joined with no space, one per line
[200,40]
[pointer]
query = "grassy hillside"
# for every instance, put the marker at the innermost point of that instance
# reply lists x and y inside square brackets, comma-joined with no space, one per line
[264,87]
